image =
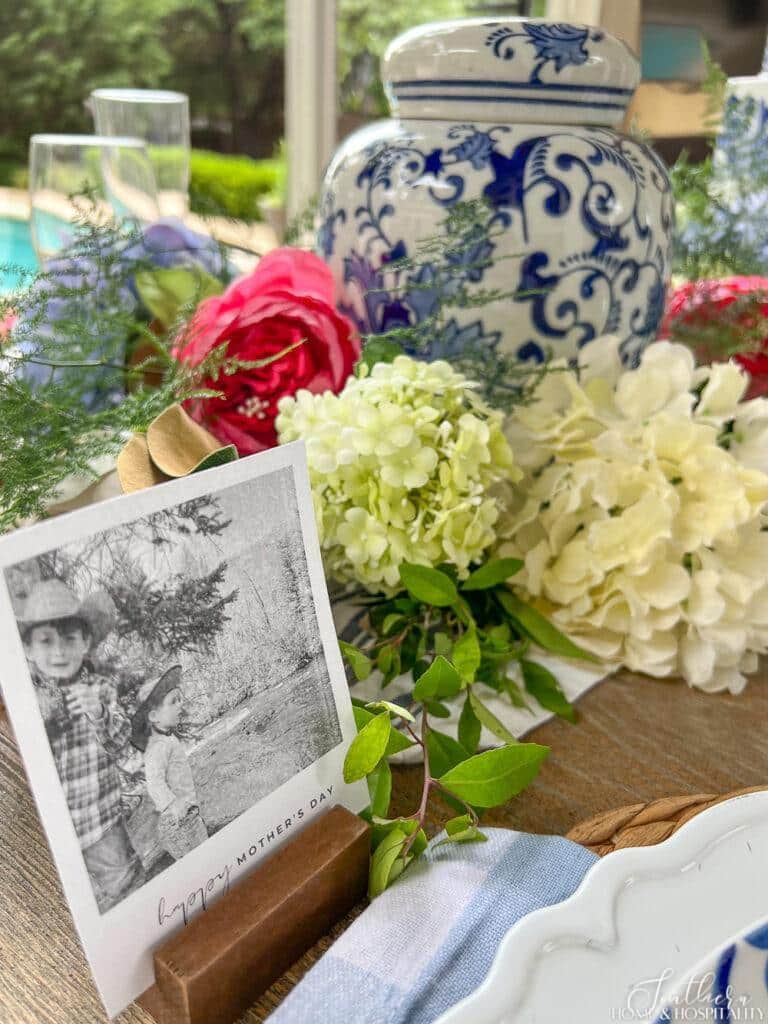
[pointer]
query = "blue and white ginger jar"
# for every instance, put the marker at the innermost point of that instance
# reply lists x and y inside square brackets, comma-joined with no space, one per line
[522,113]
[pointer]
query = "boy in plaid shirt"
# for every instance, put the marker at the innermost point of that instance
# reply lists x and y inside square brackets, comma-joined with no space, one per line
[87,729]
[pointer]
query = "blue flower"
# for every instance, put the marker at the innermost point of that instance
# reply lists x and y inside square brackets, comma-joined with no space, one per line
[91,290]
[170,243]
[75,294]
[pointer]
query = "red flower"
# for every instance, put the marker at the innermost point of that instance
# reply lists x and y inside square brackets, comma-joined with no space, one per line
[696,315]
[288,300]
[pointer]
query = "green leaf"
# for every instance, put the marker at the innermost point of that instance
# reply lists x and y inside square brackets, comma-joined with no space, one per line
[392,620]
[454,825]
[362,716]
[442,644]
[378,612]
[387,862]
[430,586]
[464,612]
[380,789]
[450,570]
[421,647]
[493,573]
[469,835]
[389,664]
[379,350]
[542,685]
[466,655]
[396,742]
[409,649]
[489,720]
[367,748]
[419,843]
[419,669]
[491,671]
[394,709]
[398,868]
[217,458]
[383,826]
[540,629]
[444,752]
[409,826]
[434,707]
[385,658]
[493,777]
[383,861]
[165,292]
[469,727]
[462,830]
[513,691]
[360,663]
[499,636]
[440,680]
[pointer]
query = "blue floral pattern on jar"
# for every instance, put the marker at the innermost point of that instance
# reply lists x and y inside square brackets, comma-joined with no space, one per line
[561,44]
[579,224]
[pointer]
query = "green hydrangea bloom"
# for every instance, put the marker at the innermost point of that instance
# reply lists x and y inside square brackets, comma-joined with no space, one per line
[402,463]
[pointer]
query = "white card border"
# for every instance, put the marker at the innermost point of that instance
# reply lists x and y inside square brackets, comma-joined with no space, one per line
[124,935]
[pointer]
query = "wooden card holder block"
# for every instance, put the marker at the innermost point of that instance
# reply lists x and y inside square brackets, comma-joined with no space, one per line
[212,970]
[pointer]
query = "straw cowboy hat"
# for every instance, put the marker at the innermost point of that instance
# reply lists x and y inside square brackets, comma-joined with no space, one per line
[53,601]
[150,695]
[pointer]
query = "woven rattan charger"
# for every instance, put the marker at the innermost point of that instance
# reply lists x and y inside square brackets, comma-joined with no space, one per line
[645,824]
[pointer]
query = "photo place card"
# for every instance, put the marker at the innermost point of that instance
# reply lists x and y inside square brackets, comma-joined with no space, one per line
[170,667]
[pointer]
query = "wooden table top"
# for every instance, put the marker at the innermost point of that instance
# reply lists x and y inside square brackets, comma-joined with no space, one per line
[637,739]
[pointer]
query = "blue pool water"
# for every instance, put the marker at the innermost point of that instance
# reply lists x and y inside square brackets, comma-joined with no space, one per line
[16,252]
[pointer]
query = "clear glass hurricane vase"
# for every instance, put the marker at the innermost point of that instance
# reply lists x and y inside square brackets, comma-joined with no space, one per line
[161,118]
[75,180]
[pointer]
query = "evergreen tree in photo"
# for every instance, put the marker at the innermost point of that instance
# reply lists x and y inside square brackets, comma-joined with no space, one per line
[161,611]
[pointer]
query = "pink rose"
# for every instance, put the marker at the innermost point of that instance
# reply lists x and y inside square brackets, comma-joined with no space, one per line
[288,300]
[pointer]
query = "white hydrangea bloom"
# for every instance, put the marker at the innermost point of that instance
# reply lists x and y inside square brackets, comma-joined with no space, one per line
[642,518]
[401,463]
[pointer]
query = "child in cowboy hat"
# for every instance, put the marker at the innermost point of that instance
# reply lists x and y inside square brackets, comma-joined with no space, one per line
[169,777]
[87,729]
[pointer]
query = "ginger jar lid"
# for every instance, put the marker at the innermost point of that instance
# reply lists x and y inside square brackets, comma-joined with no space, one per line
[510,70]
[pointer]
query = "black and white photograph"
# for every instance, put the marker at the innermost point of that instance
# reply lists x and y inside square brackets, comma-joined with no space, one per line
[170,667]
[178,667]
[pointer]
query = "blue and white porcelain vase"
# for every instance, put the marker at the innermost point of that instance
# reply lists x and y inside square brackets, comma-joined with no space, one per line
[522,113]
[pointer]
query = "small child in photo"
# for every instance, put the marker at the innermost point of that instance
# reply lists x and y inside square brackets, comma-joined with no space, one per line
[87,728]
[170,784]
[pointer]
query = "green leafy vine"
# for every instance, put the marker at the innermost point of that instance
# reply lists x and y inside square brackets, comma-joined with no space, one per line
[453,639]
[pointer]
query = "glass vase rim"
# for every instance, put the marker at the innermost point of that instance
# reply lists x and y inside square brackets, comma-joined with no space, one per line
[140,95]
[54,139]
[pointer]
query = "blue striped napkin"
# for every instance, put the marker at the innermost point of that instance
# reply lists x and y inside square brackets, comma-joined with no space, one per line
[429,940]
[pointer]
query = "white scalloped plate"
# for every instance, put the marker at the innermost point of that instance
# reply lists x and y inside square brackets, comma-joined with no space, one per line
[640,921]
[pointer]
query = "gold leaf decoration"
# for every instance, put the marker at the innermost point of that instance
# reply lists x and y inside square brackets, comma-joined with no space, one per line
[173,446]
